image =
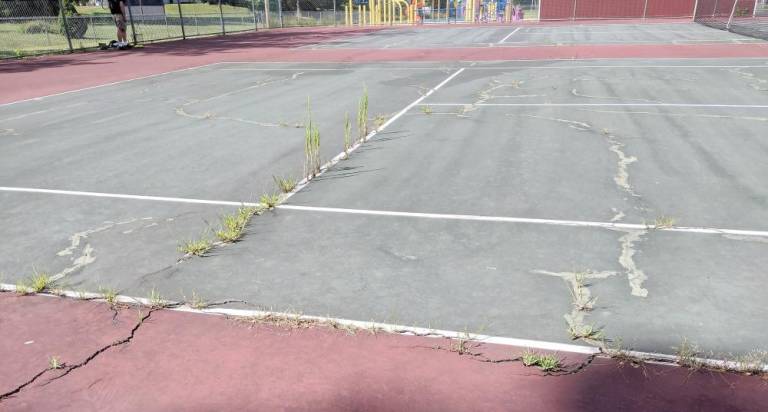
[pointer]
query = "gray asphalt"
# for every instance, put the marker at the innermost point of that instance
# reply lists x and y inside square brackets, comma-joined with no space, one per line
[702,166]
[516,36]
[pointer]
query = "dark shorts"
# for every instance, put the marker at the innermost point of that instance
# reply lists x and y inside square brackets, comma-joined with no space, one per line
[119,21]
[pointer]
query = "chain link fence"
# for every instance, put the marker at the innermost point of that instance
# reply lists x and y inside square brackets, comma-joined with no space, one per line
[30,27]
[746,17]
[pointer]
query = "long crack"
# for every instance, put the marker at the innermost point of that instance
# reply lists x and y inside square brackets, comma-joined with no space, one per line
[635,276]
[67,369]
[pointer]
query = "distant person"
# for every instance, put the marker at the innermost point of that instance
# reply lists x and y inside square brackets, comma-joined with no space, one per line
[117,8]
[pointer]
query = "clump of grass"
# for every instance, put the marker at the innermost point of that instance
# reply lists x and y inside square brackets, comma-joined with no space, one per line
[22,288]
[688,355]
[461,345]
[579,295]
[197,302]
[286,184]
[270,200]
[752,363]
[663,222]
[156,300]
[233,225]
[347,134]
[40,282]
[426,110]
[109,295]
[546,363]
[311,146]
[197,247]
[379,121]
[362,115]
[55,363]
[588,332]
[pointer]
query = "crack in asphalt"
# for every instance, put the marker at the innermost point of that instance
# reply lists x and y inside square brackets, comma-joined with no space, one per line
[69,368]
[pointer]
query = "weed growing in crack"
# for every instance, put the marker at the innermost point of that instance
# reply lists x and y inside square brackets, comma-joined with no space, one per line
[688,355]
[752,363]
[461,345]
[379,121]
[54,362]
[587,332]
[40,282]
[197,302]
[347,135]
[22,288]
[546,363]
[156,300]
[269,200]
[109,295]
[426,110]
[285,184]
[197,247]
[663,222]
[311,146]
[233,225]
[580,295]
[362,115]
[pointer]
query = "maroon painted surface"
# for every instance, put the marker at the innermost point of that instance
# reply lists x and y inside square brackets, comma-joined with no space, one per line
[30,78]
[610,9]
[191,362]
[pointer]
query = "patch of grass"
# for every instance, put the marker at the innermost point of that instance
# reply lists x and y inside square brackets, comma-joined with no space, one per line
[579,295]
[22,288]
[379,121]
[663,222]
[197,302]
[197,247]
[270,200]
[55,363]
[311,146]
[347,134]
[40,282]
[109,295]
[156,300]
[588,332]
[285,184]
[752,363]
[233,225]
[362,115]
[546,363]
[687,355]
[426,110]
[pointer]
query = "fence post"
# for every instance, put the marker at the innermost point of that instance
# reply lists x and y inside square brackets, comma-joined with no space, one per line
[181,19]
[133,27]
[645,10]
[334,13]
[253,9]
[66,24]
[733,11]
[754,10]
[573,18]
[280,12]
[221,19]
[695,9]
[714,10]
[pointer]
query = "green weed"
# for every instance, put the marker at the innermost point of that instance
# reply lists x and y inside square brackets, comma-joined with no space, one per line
[311,146]
[109,295]
[270,200]
[55,363]
[546,363]
[362,115]
[426,110]
[196,247]
[285,184]
[663,222]
[233,225]
[379,121]
[347,134]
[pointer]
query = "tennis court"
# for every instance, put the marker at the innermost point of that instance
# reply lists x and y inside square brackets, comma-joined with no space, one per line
[492,193]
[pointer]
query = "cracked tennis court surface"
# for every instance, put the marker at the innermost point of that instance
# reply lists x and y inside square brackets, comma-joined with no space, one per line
[477,207]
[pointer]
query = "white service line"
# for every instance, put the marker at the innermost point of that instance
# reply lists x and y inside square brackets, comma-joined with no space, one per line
[729,106]
[108,84]
[443,216]
[508,36]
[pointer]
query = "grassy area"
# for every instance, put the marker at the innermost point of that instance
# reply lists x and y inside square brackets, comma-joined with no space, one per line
[173,9]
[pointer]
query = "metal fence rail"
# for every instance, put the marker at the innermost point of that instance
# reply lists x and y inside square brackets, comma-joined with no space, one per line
[30,27]
[746,17]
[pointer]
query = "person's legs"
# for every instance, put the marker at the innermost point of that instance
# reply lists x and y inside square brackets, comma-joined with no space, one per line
[120,24]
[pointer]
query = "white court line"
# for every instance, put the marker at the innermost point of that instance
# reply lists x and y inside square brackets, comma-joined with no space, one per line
[731,106]
[107,84]
[652,357]
[508,35]
[440,216]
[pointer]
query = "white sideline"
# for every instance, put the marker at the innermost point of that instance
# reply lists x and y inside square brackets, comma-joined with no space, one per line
[697,105]
[508,35]
[443,216]
[653,357]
